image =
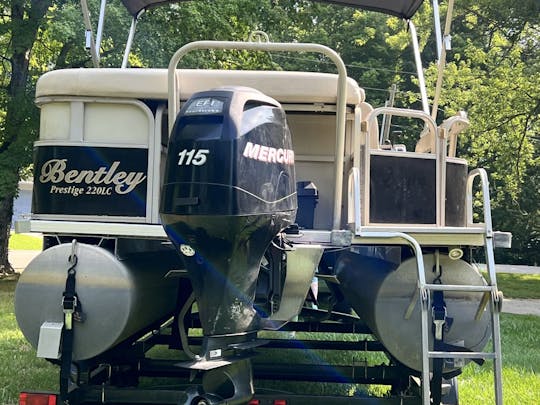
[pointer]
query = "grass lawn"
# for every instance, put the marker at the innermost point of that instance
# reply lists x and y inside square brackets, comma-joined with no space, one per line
[21,241]
[20,367]
[520,345]
[521,366]
[519,285]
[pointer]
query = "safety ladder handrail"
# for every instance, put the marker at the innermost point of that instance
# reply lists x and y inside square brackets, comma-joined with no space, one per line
[353,201]
[490,290]
[491,293]
[496,298]
[486,204]
[423,297]
[174,102]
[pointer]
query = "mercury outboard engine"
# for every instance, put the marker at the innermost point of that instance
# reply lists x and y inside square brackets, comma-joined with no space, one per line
[229,189]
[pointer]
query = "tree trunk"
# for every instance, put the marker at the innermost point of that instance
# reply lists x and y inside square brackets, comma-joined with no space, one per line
[18,132]
[6,212]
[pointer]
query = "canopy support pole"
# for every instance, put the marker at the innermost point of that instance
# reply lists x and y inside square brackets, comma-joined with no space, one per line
[442,58]
[90,34]
[419,69]
[99,33]
[437,22]
[129,41]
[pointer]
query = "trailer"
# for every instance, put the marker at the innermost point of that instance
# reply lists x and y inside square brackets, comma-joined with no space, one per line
[229,231]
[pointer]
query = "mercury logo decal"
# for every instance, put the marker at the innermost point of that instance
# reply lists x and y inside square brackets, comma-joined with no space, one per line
[54,171]
[268,154]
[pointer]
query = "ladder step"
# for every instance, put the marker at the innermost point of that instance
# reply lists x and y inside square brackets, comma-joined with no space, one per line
[464,288]
[461,355]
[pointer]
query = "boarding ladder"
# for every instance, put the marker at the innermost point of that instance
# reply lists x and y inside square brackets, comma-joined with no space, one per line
[491,295]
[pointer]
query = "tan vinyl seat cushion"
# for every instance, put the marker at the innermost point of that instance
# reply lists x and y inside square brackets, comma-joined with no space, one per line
[286,87]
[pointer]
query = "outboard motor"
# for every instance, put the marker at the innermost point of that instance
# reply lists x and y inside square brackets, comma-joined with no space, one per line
[229,189]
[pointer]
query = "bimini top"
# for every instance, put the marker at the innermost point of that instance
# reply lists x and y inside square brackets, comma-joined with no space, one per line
[400,8]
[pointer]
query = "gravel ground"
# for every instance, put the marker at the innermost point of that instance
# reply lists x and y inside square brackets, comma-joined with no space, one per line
[521,306]
[513,268]
[19,259]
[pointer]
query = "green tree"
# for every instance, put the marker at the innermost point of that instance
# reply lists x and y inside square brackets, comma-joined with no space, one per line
[19,31]
[494,74]
[37,36]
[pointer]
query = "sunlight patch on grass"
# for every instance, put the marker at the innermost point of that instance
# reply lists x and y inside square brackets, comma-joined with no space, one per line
[521,366]
[520,346]
[10,334]
[520,387]
[18,241]
[519,285]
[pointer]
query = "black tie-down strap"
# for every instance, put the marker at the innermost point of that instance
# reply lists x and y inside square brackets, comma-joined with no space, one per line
[438,311]
[72,309]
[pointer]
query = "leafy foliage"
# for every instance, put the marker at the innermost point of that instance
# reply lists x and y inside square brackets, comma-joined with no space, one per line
[19,29]
[493,73]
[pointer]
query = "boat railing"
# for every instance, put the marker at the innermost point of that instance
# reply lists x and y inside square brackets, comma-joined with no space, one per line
[356,195]
[438,146]
[404,112]
[486,205]
[174,98]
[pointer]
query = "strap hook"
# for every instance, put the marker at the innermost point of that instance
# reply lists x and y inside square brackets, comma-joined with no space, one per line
[72,259]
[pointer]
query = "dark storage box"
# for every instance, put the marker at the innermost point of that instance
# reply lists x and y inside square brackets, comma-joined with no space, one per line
[308,196]
[403,190]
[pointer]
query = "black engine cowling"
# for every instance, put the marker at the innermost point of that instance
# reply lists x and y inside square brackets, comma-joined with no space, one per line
[229,189]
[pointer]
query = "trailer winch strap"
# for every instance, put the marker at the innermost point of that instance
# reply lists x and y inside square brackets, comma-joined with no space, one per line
[438,311]
[72,309]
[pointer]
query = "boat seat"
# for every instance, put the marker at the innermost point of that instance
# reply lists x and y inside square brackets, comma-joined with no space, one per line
[286,87]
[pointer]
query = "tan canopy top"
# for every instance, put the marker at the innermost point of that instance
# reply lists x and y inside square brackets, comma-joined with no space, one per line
[400,8]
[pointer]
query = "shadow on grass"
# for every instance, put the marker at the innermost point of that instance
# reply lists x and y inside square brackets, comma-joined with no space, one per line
[20,369]
[521,341]
[520,346]
[7,285]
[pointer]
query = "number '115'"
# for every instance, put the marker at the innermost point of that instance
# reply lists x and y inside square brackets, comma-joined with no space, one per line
[196,157]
